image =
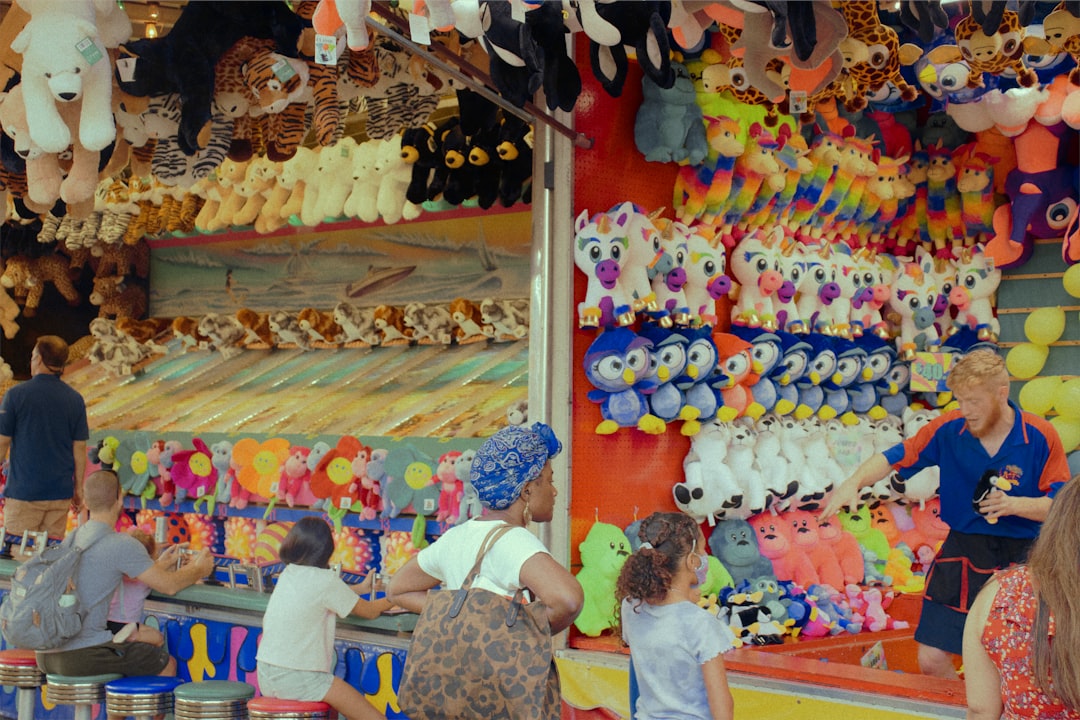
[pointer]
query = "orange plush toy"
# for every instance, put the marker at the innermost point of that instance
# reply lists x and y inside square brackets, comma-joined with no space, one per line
[845,547]
[734,377]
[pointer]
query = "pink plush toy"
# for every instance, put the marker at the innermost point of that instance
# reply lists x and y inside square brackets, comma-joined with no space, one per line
[805,535]
[929,532]
[450,488]
[789,561]
[295,476]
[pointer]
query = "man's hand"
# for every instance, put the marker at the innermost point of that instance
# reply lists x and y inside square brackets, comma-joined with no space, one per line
[998,504]
[203,561]
[846,494]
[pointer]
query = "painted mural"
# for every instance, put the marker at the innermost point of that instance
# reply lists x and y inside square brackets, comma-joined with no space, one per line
[455,254]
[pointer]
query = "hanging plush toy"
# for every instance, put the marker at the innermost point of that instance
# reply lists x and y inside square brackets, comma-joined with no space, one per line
[668,126]
[600,245]
[641,26]
[988,50]
[184,60]
[976,286]
[617,366]
[603,552]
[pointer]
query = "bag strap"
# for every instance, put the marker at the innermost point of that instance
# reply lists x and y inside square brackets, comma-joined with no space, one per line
[489,541]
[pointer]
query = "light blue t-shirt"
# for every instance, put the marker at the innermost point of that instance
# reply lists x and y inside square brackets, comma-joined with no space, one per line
[668,644]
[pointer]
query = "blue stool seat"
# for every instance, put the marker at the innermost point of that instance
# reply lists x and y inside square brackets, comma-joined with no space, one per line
[140,696]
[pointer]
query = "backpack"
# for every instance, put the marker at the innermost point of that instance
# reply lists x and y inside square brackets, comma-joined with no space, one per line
[42,610]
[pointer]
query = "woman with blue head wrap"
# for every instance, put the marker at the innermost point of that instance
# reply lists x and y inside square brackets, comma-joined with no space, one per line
[513,477]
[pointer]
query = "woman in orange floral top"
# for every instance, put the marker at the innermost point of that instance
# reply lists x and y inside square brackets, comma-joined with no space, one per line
[1022,636]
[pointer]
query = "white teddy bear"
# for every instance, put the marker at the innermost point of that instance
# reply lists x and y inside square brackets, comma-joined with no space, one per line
[395,176]
[65,61]
[364,187]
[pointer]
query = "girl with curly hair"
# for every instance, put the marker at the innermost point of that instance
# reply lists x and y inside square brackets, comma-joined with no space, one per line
[676,647]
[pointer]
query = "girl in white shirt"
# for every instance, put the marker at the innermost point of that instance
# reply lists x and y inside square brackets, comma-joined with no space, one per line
[296,654]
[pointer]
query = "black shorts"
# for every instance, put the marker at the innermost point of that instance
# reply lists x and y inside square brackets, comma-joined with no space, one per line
[133,658]
[963,565]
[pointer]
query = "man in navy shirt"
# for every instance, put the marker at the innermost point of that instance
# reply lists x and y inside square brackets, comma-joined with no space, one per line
[1000,467]
[43,424]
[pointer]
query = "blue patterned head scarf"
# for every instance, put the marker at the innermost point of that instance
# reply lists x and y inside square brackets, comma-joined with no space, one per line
[510,459]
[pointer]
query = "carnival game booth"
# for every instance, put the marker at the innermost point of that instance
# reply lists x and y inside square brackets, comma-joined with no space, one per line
[782,349]
[323,308]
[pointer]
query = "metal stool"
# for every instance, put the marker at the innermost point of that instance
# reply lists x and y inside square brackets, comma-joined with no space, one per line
[268,708]
[212,699]
[81,691]
[141,696]
[18,669]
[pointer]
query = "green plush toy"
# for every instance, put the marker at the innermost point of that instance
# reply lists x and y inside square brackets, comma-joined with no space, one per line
[603,553]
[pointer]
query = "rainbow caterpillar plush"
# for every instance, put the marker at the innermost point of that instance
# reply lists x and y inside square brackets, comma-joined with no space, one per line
[880,220]
[825,155]
[861,158]
[792,155]
[850,177]
[757,166]
[910,231]
[699,187]
[880,190]
[942,200]
[975,181]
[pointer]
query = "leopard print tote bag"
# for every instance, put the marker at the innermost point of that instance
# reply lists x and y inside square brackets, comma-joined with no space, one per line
[477,654]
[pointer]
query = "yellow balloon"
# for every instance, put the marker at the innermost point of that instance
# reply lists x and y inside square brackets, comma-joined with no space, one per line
[1026,360]
[1067,402]
[1045,325]
[1038,395]
[1072,281]
[1069,432]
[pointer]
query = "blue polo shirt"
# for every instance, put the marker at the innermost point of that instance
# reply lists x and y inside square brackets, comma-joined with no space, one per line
[43,417]
[1031,456]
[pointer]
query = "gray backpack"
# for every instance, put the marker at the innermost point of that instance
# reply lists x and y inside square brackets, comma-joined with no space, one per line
[42,611]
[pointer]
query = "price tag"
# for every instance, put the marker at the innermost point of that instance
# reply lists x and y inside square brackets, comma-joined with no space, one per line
[282,70]
[126,68]
[517,11]
[419,29]
[327,50]
[797,101]
[89,50]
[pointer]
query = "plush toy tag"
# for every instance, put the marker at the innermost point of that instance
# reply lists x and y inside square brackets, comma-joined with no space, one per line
[200,492]
[797,101]
[273,487]
[419,29]
[517,11]
[345,503]
[429,506]
[89,50]
[126,68]
[328,49]
[282,70]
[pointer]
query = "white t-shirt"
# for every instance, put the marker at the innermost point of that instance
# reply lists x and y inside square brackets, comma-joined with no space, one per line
[451,557]
[298,627]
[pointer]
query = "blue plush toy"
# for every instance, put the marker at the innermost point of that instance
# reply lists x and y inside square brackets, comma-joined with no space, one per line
[669,125]
[617,365]
[838,388]
[668,351]
[821,365]
[867,392]
[696,383]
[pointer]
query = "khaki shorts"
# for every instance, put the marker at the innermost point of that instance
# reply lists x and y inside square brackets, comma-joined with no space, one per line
[36,515]
[289,684]
[133,658]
